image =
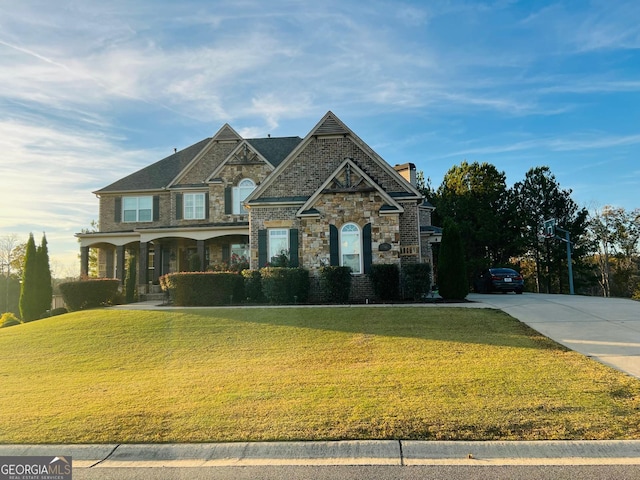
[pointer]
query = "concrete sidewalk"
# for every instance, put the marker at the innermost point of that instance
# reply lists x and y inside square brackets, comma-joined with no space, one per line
[366,452]
[607,329]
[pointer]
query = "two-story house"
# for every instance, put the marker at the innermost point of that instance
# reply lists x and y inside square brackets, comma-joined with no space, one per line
[325,199]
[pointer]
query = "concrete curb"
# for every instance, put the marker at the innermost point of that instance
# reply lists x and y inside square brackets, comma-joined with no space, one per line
[365,452]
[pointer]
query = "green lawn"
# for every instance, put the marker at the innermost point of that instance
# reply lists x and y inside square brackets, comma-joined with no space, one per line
[302,374]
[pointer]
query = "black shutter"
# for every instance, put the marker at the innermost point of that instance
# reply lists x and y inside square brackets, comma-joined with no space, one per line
[179,206]
[334,250]
[228,201]
[226,253]
[118,209]
[294,260]
[156,208]
[262,248]
[206,205]
[367,254]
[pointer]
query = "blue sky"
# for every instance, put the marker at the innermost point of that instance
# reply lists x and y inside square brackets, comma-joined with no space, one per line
[91,91]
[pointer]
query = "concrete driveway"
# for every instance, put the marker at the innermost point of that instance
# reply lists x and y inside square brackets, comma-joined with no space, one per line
[607,329]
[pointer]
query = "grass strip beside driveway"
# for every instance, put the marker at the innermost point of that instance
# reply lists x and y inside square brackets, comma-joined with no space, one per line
[210,375]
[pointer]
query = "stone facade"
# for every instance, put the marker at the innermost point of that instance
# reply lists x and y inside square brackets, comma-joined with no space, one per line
[312,187]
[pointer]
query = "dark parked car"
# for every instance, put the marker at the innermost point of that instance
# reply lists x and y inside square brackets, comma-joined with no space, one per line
[499,280]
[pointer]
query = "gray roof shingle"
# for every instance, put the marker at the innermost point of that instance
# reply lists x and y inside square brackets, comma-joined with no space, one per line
[276,149]
[158,175]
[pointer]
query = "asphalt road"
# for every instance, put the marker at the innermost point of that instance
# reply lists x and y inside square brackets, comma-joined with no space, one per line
[438,472]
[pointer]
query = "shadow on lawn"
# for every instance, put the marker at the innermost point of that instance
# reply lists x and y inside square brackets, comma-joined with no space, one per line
[461,325]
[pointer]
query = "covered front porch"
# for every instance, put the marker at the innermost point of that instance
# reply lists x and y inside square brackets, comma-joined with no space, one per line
[163,250]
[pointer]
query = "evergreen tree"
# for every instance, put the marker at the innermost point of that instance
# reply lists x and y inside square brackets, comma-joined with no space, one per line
[452,280]
[475,196]
[29,309]
[43,279]
[130,280]
[539,198]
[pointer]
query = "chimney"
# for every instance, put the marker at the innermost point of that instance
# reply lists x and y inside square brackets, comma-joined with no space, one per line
[408,172]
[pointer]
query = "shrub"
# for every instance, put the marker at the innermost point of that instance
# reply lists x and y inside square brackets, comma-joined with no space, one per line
[8,319]
[452,276]
[416,280]
[253,285]
[335,284]
[194,263]
[131,280]
[385,279]
[203,288]
[90,293]
[282,285]
[238,263]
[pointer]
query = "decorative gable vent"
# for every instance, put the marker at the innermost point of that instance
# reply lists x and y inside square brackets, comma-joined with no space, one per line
[244,155]
[331,126]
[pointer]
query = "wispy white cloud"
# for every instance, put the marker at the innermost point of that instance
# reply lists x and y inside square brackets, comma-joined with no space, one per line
[574,143]
[87,84]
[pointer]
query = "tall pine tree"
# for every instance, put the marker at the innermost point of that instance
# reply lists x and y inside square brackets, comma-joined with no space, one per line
[45,288]
[29,289]
[36,290]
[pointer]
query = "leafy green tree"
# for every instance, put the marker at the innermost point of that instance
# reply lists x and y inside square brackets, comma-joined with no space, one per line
[538,198]
[452,282]
[615,233]
[29,309]
[476,197]
[10,271]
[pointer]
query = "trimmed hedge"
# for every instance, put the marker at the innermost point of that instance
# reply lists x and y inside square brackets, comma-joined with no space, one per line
[416,279]
[385,279]
[203,288]
[335,284]
[285,285]
[90,293]
[253,285]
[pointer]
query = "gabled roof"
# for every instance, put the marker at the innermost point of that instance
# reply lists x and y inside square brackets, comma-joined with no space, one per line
[270,150]
[225,134]
[158,175]
[391,205]
[330,125]
[166,172]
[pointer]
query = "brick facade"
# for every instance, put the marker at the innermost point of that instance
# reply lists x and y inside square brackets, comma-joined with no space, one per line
[329,178]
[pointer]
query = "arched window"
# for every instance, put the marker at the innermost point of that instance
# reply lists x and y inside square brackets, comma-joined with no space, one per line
[351,247]
[240,193]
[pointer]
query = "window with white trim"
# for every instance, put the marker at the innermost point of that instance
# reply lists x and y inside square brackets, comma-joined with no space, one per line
[240,193]
[193,206]
[137,209]
[278,243]
[351,247]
